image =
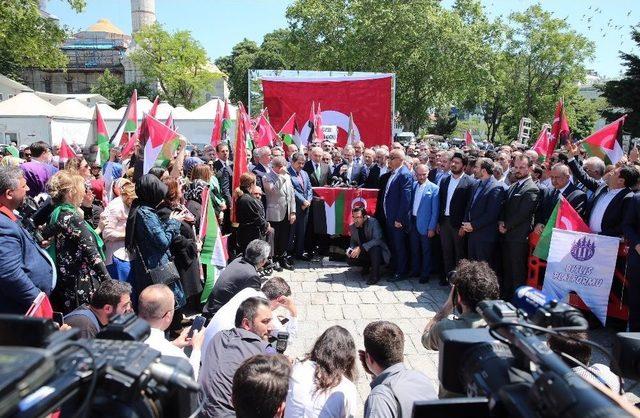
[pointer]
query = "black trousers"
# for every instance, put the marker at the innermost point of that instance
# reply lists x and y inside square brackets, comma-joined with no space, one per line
[281,232]
[481,250]
[371,259]
[514,267]
[453,247]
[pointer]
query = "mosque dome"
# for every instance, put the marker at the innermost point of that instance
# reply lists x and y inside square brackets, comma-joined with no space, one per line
[104,25]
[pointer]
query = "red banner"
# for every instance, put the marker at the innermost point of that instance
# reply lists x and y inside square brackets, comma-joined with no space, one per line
[367,98]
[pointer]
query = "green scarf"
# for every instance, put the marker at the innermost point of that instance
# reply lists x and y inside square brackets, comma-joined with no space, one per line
[54,218]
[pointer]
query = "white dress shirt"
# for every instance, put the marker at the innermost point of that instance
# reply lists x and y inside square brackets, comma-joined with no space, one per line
[383,170]
[303,401]
[225,318]
[453,184]
[595,219]
[157,341]
[418,197]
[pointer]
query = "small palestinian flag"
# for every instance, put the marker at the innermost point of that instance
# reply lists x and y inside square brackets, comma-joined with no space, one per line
[102,139]
[162,144]
[213,252]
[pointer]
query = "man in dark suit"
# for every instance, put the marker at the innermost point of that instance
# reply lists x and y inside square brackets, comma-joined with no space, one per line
[560,180]
[303,194]
[631,227]
[397,208]
[318,171]
[348,171]
[224,173]
[455,192]
[261,169]
[515,225]
[241,273]
[25,268]
[379,215]
[606,208]
[482,213]
[370,173]
[367,248]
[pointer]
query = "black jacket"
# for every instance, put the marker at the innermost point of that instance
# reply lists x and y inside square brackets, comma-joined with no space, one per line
[224,175]
[549,198]
[370,177]
[251,219]
[519,209]
[459,200]
[238,275]
[324,174]
[484,212]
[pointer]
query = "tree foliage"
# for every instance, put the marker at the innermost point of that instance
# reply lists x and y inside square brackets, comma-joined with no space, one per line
[114,89]
[624,95]
[177,61]
[28,39]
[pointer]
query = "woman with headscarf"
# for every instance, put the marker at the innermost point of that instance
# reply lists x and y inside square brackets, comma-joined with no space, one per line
[113,223]
[252,223]
[201,177]
[75,246]
[183,247]
[149,237]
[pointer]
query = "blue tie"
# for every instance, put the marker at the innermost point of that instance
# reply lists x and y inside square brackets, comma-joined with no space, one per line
[478,191]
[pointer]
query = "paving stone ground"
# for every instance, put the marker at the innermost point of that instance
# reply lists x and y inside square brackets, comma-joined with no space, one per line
[338,295]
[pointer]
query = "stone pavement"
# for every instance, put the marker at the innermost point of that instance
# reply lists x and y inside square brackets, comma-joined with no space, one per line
[327,296]
[338,295]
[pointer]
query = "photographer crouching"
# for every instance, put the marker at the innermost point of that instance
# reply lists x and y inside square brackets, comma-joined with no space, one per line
[471,282]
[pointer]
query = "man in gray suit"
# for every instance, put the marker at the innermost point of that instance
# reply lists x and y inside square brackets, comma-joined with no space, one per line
[515,224]
[367,249]
[281,207]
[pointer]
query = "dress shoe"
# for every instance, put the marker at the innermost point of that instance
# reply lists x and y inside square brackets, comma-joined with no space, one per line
[276,266]
[284,263]
[424,280]
[398,277]
[373,280]
[303,257]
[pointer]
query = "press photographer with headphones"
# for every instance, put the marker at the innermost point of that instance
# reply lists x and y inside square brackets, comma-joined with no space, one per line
[472,282]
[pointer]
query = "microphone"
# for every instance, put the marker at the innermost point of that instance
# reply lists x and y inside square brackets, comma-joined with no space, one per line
[545,311]
[170,376]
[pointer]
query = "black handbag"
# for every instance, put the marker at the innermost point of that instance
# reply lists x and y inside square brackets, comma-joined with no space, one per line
[165,274]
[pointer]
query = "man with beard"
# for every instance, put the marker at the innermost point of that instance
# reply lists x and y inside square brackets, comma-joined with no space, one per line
[516,221]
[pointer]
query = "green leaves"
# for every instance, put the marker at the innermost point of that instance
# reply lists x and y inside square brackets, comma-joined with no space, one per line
[177,61]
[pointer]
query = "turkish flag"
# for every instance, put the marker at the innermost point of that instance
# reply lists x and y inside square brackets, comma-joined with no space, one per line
[569,219]
[367,98]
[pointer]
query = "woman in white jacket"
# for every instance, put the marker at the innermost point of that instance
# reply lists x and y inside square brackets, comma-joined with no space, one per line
[322,384]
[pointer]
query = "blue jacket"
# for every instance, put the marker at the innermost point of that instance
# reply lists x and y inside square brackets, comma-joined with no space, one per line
[483,213]
[428,208]
[397,201]
[24,268]
[302,192]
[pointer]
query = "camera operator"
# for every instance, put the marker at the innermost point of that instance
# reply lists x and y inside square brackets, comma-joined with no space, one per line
[394,388]
[582,352]
[156,305]
[276,290]
[226,352]
[25,268]
[260,387]
[472,282]
[111,298]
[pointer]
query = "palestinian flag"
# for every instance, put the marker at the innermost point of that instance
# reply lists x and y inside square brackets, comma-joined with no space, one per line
[338,203]
[66,152]
[13,151]
[216,132]
[213,253]
[226,122]
[162,144]
[564,216]
[169,122]
[129,124]
[102,139]
[542,143]
[311,124]
[144,132]
[290,131]
[606,142]
[468,139]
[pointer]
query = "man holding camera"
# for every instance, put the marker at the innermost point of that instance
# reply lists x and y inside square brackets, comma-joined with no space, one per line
[472,282]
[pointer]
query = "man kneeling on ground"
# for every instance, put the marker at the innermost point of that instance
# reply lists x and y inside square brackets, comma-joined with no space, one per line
[472,282]
[367,249]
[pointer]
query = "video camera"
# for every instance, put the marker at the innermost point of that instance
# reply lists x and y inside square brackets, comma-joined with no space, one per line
[507,370]
[43,370]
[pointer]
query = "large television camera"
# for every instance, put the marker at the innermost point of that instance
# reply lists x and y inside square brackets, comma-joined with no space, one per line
[43,370]
[507,370]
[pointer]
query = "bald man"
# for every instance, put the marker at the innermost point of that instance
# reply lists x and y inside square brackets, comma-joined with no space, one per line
[559,176]
[156,305]
[397,211]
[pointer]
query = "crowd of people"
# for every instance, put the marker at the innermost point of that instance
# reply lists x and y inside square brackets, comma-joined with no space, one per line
[106,239]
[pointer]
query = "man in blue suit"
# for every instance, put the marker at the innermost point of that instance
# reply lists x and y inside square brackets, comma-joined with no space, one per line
[483,210]
[25,268]
[397,210]
[424,218]
[304,194]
